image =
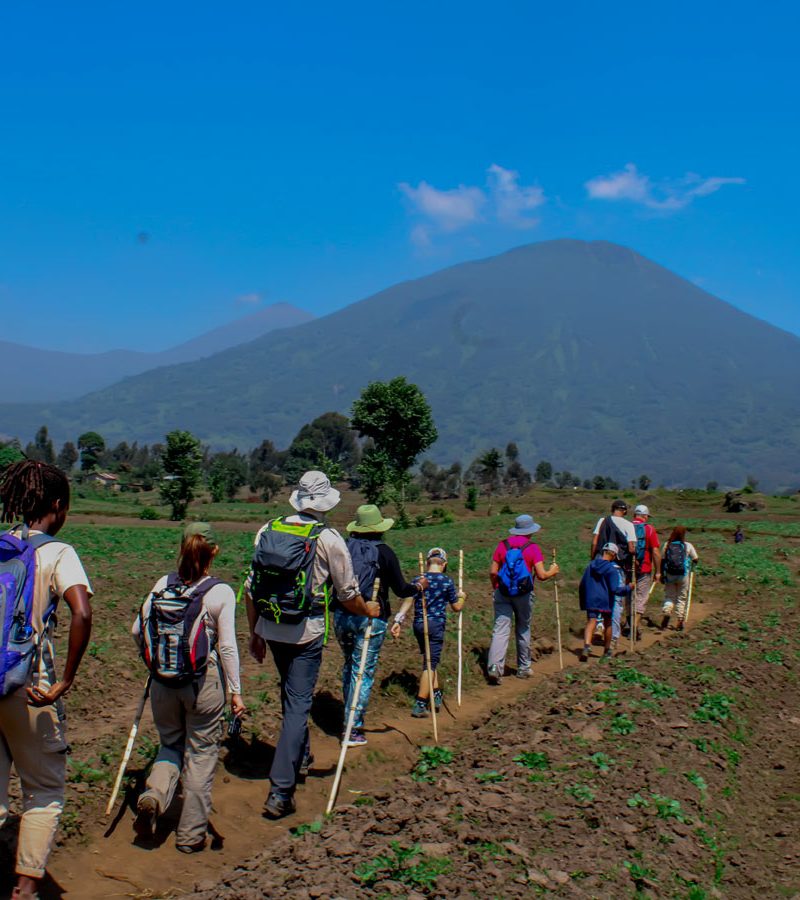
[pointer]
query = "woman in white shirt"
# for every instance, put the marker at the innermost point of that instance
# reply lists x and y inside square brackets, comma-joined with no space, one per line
[188,713]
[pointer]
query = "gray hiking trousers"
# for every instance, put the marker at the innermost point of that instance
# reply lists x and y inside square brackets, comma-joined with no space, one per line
[189,724]
[505,609]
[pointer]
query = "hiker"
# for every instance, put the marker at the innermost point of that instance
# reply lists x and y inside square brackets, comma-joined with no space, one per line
[188,610]
[37,571]
[297,560]
[738,535]
[440,591]
[516,564]
[678,557]
[371,559]
[647,559]
[602,588]
[616,529]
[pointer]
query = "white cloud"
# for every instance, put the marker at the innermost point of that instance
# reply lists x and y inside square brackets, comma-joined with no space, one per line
[251,299]
[512,201]
[503,201]
[666,196]
[449,210]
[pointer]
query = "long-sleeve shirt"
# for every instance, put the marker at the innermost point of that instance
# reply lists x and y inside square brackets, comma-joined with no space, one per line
[220,604]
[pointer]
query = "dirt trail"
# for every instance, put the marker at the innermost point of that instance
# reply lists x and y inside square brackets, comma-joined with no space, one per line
[113,866]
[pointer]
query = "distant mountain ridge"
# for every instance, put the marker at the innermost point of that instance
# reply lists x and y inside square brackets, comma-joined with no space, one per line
[583,353]
[53,375]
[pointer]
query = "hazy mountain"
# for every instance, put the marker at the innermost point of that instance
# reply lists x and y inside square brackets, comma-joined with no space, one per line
[53,375]
[584,353]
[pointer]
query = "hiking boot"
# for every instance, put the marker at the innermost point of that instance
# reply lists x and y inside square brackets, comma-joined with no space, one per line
[17,894]
[608,653]
[585,653]
[524,673]
[357,738]
[420,709]
[665,623]
[278,806]
[305,765]
[680,625]
[191,848]
[494,675]
[146,815]
[437,699]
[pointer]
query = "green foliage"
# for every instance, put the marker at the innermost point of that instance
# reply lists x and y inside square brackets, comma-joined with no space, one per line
[9,454]
[581,792]
[639,873]
[637,801]
[622,724]
[307,828]
[602,761]
[713,708]
[181,463]
[430,758]
[90,445]
[397,866]
[534,759]
[490,777]
[226,474]
[667,808]
[544,472]
[149,514]
[471,502]
[85,772]
[397,418]
[697,780]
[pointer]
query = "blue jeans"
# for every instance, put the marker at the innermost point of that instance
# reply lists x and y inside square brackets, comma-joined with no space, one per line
[616,616]
[350,631]
[298,667]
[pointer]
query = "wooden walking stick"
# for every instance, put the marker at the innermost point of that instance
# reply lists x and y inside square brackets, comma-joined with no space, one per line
[460,624]
[689,598]
[633,607]
[558,618]
[129,746]
[351,715]
[431,697]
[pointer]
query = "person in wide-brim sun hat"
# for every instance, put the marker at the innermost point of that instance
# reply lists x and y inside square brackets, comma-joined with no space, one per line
[314,492]
[369,520]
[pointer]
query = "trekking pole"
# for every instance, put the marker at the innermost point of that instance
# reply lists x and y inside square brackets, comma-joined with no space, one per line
[129,747]
[689,599]
[558,618]
[431,696]
[460,623]
[633,607]
[351,715]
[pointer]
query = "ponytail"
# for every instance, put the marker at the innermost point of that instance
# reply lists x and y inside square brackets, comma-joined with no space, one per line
[195,558]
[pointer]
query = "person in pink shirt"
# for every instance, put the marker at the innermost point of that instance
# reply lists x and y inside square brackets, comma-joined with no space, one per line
[512,575]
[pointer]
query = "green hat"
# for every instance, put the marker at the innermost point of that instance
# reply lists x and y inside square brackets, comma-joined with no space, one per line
[204,530]
[369,519]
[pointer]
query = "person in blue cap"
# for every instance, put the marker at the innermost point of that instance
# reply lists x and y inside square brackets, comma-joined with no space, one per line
[516,564]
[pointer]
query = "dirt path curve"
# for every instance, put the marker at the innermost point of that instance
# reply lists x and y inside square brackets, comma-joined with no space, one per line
[113,866]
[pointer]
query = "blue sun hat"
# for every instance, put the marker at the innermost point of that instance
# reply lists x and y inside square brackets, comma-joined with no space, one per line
[524,525]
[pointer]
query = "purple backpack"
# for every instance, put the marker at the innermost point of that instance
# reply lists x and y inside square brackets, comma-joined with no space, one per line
[19,642]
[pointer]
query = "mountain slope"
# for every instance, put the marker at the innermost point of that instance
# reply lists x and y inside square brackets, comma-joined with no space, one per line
[55,375]
[585,353]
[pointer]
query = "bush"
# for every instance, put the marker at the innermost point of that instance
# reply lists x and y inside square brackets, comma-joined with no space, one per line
[472,498]
[149,514]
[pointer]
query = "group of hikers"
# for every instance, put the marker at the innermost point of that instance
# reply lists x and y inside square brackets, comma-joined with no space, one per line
[303,579]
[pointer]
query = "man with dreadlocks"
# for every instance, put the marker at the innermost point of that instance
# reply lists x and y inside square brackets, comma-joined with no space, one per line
[32,734]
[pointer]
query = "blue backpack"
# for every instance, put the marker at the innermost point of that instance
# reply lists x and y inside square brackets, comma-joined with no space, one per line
[365,564]
[514,577]
[641,541]
[19,643]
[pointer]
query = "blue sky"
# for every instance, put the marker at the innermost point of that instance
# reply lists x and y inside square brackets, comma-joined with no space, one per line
[166,167]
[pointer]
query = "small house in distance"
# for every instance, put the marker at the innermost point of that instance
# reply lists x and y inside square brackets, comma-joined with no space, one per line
[104,479]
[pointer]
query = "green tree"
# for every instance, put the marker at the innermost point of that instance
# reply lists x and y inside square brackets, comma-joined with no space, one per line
[226,474]
[472,497]
[644,482]
[397,418]
[489,467]
[544,472]
[712,486]
[91,445]
[42,447]
[67,456]
[9,454]
[181,472]
[265,467]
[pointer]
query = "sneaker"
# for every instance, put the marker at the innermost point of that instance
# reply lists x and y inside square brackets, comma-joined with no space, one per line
[523,673]
[357,738]
[146,815]
[191,848]
[664,623]
[278,806]
[680,624]
[613,646]
[494,675]
[585,653]
[437,699]
[420,709]
[305,765]
[608,653]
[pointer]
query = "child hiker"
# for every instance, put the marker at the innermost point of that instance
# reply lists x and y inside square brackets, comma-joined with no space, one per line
[32,728]
[602,588]
[441,592]
[188,609]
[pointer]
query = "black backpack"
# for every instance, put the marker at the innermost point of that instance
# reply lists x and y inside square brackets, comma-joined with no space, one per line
[172,631]
[366,560]
[281,573]
[674,563]
[610,532]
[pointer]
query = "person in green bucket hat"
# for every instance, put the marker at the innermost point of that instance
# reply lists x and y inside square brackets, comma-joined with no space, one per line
[372,559]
